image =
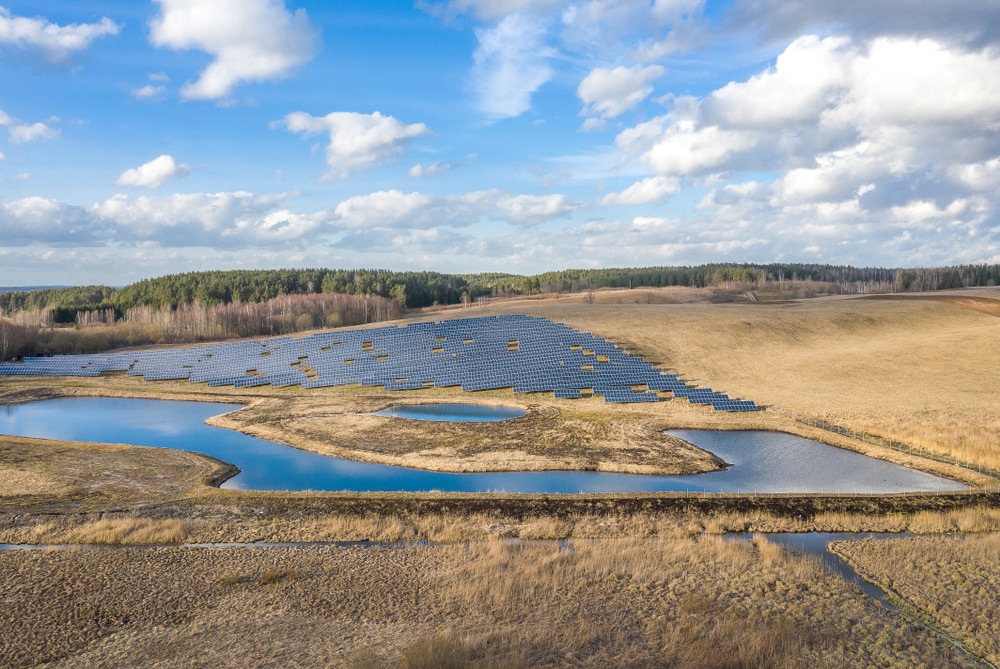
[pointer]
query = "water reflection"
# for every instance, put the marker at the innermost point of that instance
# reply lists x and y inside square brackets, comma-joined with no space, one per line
[789,466]
[453,413]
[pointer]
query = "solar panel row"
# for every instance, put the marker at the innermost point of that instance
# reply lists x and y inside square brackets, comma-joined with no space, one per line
[520,352]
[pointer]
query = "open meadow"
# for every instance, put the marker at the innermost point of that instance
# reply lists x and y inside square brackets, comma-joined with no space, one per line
[492,580]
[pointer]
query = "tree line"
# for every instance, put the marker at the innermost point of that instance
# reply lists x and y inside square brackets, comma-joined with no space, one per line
[424,289]
[101,330]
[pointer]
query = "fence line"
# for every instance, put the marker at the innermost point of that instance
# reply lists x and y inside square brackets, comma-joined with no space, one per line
[898,446]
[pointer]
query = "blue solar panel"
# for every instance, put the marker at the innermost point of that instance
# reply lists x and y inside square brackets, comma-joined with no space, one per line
[524,353]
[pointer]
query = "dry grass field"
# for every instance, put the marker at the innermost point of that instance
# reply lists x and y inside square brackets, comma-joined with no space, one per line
[917,370]
[621,603]
[950,582]
[647,582]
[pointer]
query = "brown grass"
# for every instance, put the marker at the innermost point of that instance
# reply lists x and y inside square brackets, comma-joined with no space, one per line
[623,603]
[912,371]
[952,583]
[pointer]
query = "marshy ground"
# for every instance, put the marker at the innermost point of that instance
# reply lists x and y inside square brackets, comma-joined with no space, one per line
[648,581]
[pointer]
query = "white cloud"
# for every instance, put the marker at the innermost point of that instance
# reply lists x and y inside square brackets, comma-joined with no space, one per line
[55,40]
[34,220]
[155,90]
[533,209]
[251,40]
[21,132]
[510,65]
[396,210]
[808,77]
[227,219]
[905,81]
[981,177]
[2,156]
[686,148]
[357,141]
[646,191]
[420,171]
[380,210]
[608,93]
[149,92]
[153,174]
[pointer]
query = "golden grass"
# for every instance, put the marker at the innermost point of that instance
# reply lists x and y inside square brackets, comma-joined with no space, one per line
[123,532]
[915,371]
[951,583]
[623,603]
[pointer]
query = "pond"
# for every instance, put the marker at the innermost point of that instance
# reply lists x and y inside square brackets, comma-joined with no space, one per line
[269,466]
[454,413]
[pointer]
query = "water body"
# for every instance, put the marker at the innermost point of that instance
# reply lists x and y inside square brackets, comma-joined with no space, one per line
[778,462]
[453,413]
[269,466]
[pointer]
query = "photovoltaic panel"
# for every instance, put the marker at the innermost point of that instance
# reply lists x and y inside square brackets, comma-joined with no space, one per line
[524,353]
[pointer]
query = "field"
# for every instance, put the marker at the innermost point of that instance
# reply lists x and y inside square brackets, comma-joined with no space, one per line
[645,581]
[951,582]
[623,603]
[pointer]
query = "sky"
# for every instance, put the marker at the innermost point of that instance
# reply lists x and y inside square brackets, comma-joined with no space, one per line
[139,139]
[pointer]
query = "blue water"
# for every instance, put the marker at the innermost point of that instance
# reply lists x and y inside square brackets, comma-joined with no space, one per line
[454,413]
[268,466]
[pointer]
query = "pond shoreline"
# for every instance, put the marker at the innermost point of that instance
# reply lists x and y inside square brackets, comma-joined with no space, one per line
[770,462]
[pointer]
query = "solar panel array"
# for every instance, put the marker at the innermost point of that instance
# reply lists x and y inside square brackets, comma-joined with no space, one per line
[524,353]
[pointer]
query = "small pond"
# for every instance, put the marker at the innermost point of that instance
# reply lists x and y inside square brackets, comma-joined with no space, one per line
[454,413]
[269,466]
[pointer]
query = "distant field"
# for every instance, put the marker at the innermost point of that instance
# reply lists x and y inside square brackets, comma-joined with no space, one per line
[923,370]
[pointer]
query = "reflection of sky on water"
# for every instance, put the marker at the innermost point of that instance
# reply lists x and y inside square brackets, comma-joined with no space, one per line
[764,462]
[453,413]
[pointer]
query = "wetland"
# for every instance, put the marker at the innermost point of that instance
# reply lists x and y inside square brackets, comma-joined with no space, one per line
[764,462]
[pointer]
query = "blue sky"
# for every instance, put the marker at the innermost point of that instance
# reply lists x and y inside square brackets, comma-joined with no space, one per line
[145,138]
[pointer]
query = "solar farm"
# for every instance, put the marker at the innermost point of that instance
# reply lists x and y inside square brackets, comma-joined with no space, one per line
[523,353]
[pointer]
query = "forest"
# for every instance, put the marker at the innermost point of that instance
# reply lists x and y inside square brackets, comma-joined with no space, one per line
[202,306]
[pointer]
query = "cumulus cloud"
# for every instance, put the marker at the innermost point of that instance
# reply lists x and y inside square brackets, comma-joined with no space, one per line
[357,141]
[510,64]
[250,40]
[21,132]
[608,93]
[395,209]
[859,150]
[830,104]
[58,42]
[533,209]
[153,174]
[35,220]
[646,191]
[217,220]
